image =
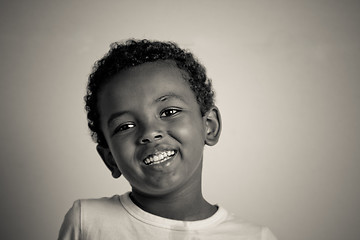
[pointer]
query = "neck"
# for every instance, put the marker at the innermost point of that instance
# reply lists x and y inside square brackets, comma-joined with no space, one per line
[187,204]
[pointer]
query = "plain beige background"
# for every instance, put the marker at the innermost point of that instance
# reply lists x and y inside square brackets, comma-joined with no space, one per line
[287,76]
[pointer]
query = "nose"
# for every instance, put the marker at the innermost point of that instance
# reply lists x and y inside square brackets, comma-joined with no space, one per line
[150,134]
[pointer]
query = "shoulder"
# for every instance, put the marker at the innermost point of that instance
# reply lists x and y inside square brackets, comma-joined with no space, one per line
[71,226]
[97,211]
[87,212]
[244,228]
[83,208]
[98,204]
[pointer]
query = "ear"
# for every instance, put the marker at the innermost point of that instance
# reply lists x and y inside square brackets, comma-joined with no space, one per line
[212,120]
[109,161]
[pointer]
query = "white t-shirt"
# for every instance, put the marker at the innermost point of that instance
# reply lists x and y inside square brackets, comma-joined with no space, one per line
[119,218]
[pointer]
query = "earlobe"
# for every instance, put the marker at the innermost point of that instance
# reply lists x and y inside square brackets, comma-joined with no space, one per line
[109,161]
[213,126]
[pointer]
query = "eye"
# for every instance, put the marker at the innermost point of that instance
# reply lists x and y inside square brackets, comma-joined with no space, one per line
[124,127]
[169,112]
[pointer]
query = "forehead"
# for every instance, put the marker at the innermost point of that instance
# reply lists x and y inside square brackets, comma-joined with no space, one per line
[165,71]
[153,75]
[144,84]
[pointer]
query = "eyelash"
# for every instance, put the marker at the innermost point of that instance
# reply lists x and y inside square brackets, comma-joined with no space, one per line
[163,114]
[124,127]
[172,112]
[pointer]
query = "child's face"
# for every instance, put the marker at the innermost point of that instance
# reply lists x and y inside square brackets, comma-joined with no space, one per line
[153,126]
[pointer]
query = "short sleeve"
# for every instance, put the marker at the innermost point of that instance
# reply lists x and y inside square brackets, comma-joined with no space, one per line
[267,234]
[71,226]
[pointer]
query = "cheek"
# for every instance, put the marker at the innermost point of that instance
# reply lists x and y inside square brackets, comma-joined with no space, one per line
[122,150]
[190,133]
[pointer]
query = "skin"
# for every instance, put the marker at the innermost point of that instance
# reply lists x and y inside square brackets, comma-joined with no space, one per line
[148,109]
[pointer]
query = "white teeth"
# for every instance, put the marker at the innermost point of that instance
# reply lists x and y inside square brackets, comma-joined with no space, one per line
[159,157]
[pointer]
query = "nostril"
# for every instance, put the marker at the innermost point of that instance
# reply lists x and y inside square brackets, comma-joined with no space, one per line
[145,140]
[157,137]
[149,139]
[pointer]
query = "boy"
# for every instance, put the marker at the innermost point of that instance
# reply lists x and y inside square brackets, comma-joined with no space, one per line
[150,108]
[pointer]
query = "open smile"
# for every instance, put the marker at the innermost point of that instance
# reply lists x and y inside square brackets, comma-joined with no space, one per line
[159,157]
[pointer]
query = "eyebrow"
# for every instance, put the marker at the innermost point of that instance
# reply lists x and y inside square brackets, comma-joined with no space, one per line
[170,95]
[115,115]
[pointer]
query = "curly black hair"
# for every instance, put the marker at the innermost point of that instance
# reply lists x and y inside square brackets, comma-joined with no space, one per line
[131,53]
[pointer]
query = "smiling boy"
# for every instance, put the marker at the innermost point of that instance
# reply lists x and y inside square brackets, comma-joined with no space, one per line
[151,110]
